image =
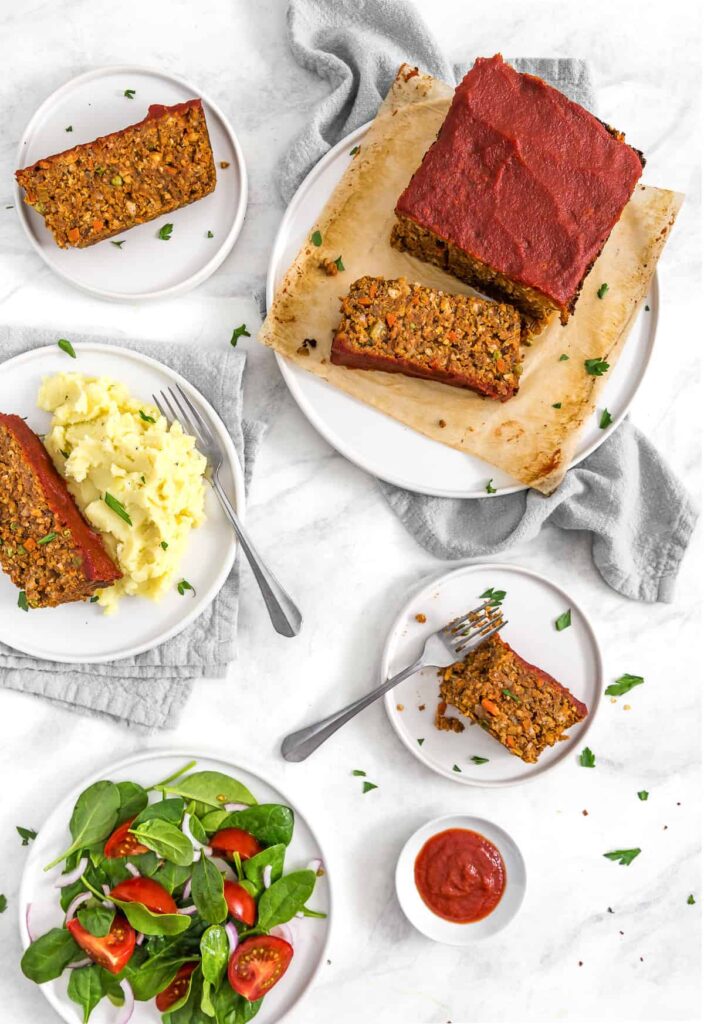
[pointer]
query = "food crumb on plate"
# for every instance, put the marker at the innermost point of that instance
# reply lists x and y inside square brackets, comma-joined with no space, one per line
[400,707]
[420,617]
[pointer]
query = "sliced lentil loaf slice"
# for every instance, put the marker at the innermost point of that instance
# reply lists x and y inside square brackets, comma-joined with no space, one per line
[461,340]
[46,546]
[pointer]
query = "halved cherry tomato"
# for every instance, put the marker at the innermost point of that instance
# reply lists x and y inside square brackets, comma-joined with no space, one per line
[113,950]
[122,843]
[239,903]
[176,990]
[234,840]
[257,964]
[146,891]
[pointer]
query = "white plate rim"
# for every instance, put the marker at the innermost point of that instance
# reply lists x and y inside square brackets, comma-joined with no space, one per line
[238,477]
[474,824]
[289,369]
[389,702]
[226,245]
[153,754]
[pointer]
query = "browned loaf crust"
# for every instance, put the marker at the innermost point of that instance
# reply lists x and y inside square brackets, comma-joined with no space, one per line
[461,340]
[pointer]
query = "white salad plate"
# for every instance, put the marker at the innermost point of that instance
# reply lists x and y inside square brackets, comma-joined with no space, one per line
[145,267]
[310,936]
[381,445]
[531,607]
[450,932]
[82,632]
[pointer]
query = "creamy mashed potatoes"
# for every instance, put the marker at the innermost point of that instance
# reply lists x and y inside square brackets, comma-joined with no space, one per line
[103,441]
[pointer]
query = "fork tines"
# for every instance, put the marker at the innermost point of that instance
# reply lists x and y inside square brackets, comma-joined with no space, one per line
[474,627]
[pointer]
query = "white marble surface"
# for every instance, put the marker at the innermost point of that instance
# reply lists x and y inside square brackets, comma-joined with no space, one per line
[324,526]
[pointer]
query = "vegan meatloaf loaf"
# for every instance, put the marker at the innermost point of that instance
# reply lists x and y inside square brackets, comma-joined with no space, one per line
[521,706]
[102,188]
[518,193]
[461,340]
[46,547]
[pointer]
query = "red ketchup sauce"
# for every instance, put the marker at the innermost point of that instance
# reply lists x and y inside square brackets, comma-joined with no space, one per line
[460,875]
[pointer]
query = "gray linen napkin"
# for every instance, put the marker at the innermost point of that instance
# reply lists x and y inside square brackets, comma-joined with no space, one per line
[639,515]
[149,690]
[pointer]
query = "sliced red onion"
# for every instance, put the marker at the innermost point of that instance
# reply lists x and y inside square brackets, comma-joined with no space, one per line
[80,963]
[266,876]
[75,904]
[232,936]
[72,876]
[187,910]
[224,867]
[106,891]
[235,807]
[132,869]
[139,938]
[186,829]
[206,851]
[31,934]
[283,932]
[316,865]
[128,1006]
[187,889]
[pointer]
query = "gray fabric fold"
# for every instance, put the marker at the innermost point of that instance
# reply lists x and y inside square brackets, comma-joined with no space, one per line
[639,515]
[149,690]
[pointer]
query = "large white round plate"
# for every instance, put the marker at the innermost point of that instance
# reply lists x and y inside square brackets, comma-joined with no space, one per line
[382,446]
[81,632]
[145,267]
[449,932]
[310,935]
[531,606]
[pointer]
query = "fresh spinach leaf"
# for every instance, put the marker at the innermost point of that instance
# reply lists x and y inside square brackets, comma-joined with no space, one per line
[269,823]
[231,1008]
[212,821]
[133,800]
[165,810]
[283,899]
[171,876]
[197,830]
[96,919]
[48,955]
[85,987]
[165,839]
[215,952]
[111,988]
[152,976]
[254,866]
[187,1010]
[212,788]
[207,890]
[144,920]
[93,819]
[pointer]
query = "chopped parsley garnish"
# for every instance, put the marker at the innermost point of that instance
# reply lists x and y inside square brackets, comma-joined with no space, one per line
[22,601]
[494,597]
[358,771]
[623,684]
[691,900]
[117,507]
[643,794]
[557,405]
[605,420]
[164,232]
[210,235]
[354,151]
[563,358]
[602,290]
[69,129]
[456,768]
[316,238]
[624,857]
[596,367]
[339,264]
[489,488]
[183,586]
[26,834]
[479,760]
[66,346]
[239,332]
[119,244]
[368,786]
[147,419]
[647,309]
[47,539]
[129,93]
[511,696]
[3,903]
[64,453]
[563,621]
[421,741]
[587,759]
[164,545]
[94,599]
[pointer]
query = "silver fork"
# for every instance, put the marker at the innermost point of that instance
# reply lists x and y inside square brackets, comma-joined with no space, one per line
[441,649]
[174,404]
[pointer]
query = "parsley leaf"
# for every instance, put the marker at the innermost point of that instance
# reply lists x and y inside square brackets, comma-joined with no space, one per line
[563,621]
[26,834]
[66,347]
[623,684]
[94,599]
[129,93]
[354,151]
[643,794]
[69,129]
[690,900]
[421,741]
[605,420]
[368,786]
[164,232]
[3,903]
[117,507]
[118,244]
[358,771]
[489,488]
[210,235]
[494,597]
[456,768]
[624,857]
[164,545]
[602,290]
[147,419]
[22,601]
[596,367]
[339,264]
[587,759]
[557,405]
[183,586]
[479,760]
[239,332]
[563,358]
[316,238]
[47,538]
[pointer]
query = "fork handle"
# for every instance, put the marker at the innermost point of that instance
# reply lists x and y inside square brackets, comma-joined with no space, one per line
[300,745]
[285,616]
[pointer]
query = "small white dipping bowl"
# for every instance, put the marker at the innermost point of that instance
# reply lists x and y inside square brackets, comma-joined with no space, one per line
[437,928]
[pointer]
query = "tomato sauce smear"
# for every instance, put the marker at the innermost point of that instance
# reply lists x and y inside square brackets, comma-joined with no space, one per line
[460,875]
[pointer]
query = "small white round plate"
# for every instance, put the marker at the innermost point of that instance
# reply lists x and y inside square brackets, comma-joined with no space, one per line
[381,445]
[531,606]
[310,935]
[145,267]
[419,913]
[81,632]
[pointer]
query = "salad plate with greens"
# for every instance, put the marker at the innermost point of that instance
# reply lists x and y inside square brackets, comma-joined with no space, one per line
[175,889]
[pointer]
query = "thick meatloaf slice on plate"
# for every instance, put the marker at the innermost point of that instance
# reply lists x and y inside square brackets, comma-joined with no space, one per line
[46,546]
[519,192]
[461,340]
[521,706]
[105,187]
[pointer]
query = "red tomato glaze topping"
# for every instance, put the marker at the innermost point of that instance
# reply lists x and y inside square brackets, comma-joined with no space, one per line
[460,875]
